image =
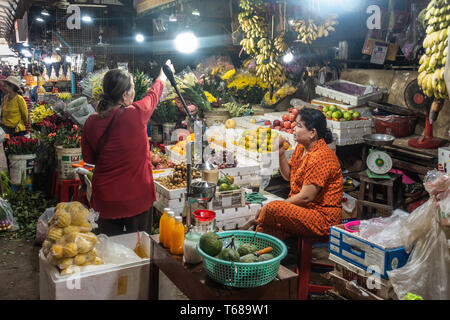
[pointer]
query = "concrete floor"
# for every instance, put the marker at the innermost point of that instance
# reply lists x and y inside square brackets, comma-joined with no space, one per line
[19,271]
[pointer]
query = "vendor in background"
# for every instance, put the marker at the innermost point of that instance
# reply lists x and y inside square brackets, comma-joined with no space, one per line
[115,140]
[14,108]
[314,172]
[26,97]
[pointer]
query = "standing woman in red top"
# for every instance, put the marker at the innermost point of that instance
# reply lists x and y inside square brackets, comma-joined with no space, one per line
[115,140]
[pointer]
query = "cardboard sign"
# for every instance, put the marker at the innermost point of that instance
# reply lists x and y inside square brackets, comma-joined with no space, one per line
[379,53]
[145,5]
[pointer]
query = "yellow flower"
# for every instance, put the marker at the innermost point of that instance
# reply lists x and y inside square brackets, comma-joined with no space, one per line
[210,97]
[229,74]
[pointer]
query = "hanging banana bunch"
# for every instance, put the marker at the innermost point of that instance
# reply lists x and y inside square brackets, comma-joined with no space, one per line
[310,31]
[258,43]
[432,63]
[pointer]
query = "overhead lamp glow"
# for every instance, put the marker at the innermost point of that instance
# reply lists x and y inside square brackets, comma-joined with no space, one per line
[26,53]
[48,60]
[86,19]
[39,19]
[173,18]
[140,38]
[291,22]
[25,44]
[196,12]
[45,13]
[68,59]
[186,42]
[288,57]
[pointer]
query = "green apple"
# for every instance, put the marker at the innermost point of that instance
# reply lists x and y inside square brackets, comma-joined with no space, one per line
[325,109]
[356,115]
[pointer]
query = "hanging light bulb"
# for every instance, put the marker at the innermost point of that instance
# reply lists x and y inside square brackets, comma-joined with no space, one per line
[186,42]
[140,38]
[196,12]
[288,57]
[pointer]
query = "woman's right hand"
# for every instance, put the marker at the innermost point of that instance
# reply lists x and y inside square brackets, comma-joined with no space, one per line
[162,75]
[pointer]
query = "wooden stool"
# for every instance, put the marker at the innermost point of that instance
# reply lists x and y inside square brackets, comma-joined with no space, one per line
[391,190]
[304,266]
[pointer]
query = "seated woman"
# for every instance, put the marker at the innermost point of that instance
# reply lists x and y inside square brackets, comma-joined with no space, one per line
[314,172]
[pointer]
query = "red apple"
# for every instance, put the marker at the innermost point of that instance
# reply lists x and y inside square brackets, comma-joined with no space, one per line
[293,124]
[285,117]
[290,131]
[287,124]
[267,123]
[294,111]
[292,117]
[276,123]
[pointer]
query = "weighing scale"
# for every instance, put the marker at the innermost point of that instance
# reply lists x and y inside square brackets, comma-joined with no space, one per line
[378,161]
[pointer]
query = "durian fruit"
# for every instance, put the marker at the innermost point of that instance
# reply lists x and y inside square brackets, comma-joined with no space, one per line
[85,227]
[71,229]
[61,241]
[67,271]
[89,236]
[91,255]
[71,237]
[80,259]
[62,219]
[70,250]
[57,251]
[98,261]
[61,206]
[65,263]
[79,214]
[54,233]
[83,245]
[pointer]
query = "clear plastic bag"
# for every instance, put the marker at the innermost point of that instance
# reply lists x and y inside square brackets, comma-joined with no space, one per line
[7,220]
[384,231]
[114,253]
[42,225]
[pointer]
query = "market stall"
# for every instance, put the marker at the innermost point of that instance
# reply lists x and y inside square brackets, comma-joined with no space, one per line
[222,139]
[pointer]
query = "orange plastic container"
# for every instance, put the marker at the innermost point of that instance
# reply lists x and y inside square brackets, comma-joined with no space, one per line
[176,245]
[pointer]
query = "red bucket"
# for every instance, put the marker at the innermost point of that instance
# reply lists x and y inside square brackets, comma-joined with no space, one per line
[398,126]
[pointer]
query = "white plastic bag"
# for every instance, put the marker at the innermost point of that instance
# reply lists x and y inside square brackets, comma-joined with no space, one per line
[114,253]
[427,272]
[42,225]
[384,231]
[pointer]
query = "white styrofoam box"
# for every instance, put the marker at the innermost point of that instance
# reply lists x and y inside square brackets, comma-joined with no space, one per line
[175,157]
[170,203]
[354,100]
[349,132]
[170,194]
[233,217]
[444,159]
[127,281]
[375,284]
[365,254]
[159,173]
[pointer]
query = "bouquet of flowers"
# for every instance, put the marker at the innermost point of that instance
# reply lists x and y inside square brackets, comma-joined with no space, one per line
[40,112]
[141,85]
[166,112]
[22,145]
[192,92]
[246,87]
[93,84]
[66,137]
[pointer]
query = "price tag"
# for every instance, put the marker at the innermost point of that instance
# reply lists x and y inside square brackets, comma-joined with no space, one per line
[379,53]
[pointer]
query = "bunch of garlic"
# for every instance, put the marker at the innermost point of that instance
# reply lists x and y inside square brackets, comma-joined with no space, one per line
[70,241]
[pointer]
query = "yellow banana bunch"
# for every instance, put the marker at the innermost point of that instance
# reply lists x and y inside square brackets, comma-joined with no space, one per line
[310,31]
[249,4]
[432,63]
[280,44]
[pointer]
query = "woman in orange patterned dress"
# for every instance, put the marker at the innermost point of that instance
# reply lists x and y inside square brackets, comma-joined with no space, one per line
[314,172]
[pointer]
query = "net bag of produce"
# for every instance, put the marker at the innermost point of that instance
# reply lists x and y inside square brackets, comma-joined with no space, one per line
[7,221]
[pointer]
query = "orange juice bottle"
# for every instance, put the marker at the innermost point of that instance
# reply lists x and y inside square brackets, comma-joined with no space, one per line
[168,229]
[176,246]
[162,222]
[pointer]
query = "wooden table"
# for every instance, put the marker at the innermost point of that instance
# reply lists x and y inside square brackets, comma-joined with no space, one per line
[193,281]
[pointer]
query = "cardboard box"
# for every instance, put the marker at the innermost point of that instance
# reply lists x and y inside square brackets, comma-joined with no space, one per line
[370,43]
[444,159]
[365,254]
[128,281]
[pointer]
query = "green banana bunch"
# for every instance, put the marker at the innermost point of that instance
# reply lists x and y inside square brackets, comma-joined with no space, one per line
[432,63]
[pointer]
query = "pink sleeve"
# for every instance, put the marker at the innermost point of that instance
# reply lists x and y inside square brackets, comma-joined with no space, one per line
[148,104]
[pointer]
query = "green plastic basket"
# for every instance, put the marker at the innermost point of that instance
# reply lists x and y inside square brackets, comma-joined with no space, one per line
[246,275]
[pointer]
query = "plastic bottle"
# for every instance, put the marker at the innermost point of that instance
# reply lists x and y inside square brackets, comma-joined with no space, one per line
[161,224]
[176,245]
[169,224]
[191,254]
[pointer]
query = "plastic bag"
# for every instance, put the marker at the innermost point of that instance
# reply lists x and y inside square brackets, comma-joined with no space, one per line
[79,110]
[42,225]
[384,231]
[437,185]
[7,221]
[114,253]
[410,40]
[427,272]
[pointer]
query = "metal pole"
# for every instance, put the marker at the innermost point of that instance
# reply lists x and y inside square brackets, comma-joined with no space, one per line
[72,77]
